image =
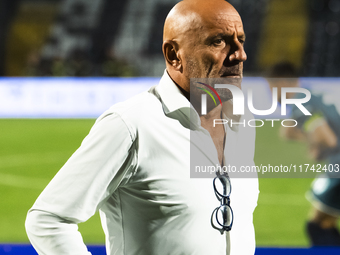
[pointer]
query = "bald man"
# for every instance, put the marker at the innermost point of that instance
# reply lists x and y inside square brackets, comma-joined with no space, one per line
[134,165]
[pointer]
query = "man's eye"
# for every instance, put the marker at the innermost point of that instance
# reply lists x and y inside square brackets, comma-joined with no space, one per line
[218,41]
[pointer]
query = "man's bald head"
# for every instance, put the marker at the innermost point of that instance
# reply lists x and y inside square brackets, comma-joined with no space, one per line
[188,15]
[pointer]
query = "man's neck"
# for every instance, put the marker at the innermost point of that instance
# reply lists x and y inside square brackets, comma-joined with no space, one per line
[217,133]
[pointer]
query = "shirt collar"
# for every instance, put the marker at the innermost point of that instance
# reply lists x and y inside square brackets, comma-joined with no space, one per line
[177,106]
[171,95]
[174,103]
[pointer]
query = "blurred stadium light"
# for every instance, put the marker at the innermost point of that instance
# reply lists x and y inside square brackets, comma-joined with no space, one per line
[66,97]
[90,97]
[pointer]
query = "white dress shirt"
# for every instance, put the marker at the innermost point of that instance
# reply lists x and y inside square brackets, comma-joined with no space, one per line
[134,167]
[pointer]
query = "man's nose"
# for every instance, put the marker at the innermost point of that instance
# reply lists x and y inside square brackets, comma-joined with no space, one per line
[237,51]
[238,54]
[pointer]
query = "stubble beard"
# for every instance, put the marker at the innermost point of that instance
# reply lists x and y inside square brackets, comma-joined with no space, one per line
[210,77]
[213,77]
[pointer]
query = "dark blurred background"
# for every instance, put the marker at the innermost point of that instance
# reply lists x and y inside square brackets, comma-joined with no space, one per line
[124,38]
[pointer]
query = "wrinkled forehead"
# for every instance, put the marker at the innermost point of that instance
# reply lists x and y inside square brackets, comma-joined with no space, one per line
[230,20]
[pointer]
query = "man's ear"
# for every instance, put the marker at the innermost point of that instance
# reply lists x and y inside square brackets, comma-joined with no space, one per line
[171,54]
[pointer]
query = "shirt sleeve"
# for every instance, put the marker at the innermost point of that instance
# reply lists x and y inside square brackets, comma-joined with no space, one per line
[105,159]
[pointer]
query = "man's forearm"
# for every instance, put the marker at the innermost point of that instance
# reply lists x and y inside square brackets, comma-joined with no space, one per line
[52,235]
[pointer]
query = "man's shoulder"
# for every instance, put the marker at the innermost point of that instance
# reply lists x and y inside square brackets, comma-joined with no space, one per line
[138,108]
[135,104]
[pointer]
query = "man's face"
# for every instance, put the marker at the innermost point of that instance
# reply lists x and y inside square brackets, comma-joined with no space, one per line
[214,48]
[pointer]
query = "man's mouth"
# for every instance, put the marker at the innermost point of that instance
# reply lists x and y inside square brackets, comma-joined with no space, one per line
[231,75]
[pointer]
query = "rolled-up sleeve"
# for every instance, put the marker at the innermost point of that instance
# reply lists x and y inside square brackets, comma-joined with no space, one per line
[105,159]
